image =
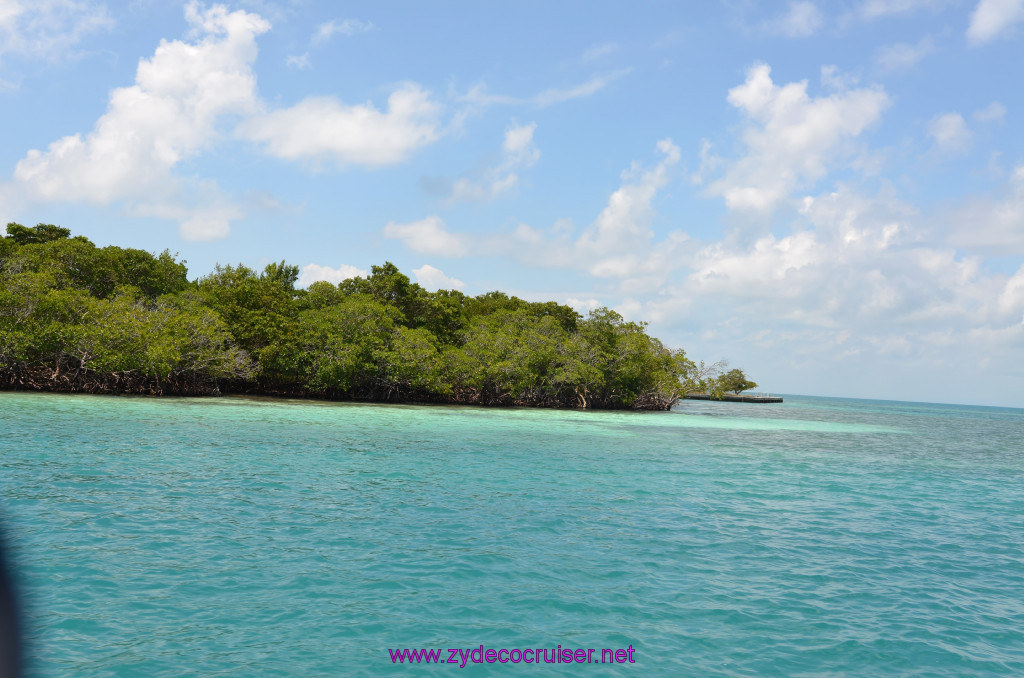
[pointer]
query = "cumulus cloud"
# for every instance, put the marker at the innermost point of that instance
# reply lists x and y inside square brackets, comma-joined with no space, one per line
[428,236]
[827,270]
[992,18]
[433,279]
[903,56]
[950,134]
[325,128]
[203,213]
[610,242]
[518,153]
[791,139]
[857,276]
[993,225]
[800,20]
[168,115]
[1011,299]
[184,98]
[619,245]
[312,273]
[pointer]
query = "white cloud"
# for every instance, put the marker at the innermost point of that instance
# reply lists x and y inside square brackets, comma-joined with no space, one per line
[328,30]
[802,19]
[428,236]
[299,61]
[583,306]
[48,29]
[553,96]
[168,115]
[518,152]
[312,273]
[518,144]
[625,221]
[854,264]
[325,128]
[478,99]
[598,51]
[177,108]
[1011,300]
[209,224]
[857,285]
[903,56]
[620,244]
[203,213]
[324,33]
[833,79]
[993,225]
[994,112]
[950,133]
[992,18]
[791,138]
[433,279]
[874,9]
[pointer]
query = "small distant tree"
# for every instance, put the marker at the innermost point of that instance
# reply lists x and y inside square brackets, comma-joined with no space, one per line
[735,381]
[702,377]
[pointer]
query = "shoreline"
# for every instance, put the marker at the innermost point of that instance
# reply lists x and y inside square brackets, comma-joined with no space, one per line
[44,380]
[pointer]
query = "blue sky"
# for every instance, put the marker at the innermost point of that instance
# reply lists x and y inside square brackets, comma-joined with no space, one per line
[830,195]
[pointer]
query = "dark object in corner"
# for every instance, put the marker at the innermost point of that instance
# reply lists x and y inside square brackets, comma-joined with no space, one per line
[10,622]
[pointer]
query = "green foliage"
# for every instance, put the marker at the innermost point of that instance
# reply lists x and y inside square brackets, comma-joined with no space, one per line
[259,309]
[319,295]
[174,334]
[40,233]
[510,354]
[76,263]
[442,314]
[339,348]
[68,307]
[413,363]
[281,274]
[44,324]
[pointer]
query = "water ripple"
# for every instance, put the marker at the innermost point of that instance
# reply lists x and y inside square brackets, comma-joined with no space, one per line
[229,537]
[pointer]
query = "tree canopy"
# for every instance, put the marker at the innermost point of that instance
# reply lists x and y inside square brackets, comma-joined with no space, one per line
[74,316]
[735,381]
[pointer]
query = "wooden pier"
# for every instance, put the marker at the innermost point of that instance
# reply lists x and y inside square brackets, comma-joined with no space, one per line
[734,398]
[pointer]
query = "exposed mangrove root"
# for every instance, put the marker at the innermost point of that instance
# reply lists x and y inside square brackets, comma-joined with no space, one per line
[132,383]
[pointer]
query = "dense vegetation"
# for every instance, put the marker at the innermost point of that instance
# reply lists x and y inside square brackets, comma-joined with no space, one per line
[76,317]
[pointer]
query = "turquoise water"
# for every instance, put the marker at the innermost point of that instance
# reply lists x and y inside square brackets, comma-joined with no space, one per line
[243,537]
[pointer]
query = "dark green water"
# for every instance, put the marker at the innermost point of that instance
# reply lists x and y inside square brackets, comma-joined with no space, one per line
[234,537]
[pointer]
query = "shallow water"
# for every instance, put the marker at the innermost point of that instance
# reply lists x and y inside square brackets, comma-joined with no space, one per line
[233,537]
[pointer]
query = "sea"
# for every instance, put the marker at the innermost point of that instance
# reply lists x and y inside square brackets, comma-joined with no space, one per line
[259,537]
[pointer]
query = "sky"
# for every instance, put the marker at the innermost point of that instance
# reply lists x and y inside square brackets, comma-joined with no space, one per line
[829,195]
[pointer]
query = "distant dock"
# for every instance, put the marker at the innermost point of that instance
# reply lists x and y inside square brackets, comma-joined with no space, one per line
[733,398]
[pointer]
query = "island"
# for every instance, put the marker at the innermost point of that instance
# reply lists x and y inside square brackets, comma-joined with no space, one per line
[75,317]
